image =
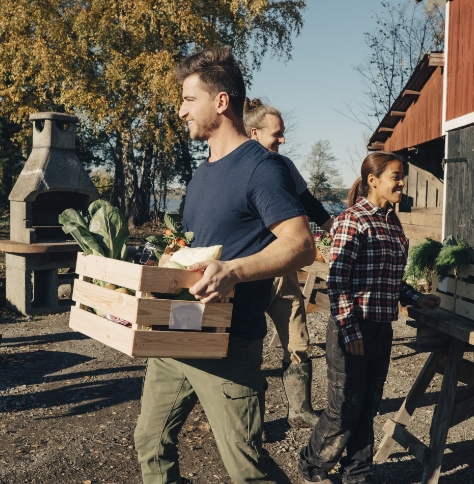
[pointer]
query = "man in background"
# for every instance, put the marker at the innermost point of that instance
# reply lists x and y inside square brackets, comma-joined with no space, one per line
[264,124]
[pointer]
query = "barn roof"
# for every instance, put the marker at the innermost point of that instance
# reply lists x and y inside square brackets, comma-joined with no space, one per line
[422,73]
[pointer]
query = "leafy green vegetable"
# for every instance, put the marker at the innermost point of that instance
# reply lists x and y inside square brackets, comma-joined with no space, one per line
[109,227]
[103,232]
[421,261]
[453,257]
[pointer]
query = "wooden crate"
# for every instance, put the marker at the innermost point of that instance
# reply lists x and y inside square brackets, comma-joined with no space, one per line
[457,292]
[144,311]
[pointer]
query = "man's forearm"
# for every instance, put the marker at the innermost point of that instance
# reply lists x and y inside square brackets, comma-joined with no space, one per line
[285,254]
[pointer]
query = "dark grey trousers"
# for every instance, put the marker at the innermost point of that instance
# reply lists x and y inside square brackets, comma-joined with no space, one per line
[355,388]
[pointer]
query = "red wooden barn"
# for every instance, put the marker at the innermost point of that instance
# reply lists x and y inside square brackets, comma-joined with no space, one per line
[431,124]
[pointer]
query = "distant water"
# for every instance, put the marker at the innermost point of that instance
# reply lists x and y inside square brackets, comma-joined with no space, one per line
[172,205]
[334,208]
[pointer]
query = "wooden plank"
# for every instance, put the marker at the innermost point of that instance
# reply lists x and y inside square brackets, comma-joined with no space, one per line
[433,198]
[422,219]
[149,344]
[428,210]
[447,302]
[144,311]
[421,189]
[442,416]
[322,300]
[466,271]
[107,332]
[466,369]
[319,268]
[427,175]
[463,407]
[464,308]
[407,440]
[408,92]
[451,285]
[116,272]
[14,247]
[308,288]
[157,311]
[420,232]
[174,344]
[457,326]
[110,302]
[409,405]
[135,276]
[436,59]
[163,279]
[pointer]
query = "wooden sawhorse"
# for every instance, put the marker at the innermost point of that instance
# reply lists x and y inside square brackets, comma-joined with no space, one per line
[315,270]
[451,409]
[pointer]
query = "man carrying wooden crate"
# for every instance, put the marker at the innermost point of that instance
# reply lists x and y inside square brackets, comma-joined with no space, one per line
[244,198]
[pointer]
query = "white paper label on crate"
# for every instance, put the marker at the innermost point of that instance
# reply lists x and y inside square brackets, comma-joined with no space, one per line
[443,286]
[186,315]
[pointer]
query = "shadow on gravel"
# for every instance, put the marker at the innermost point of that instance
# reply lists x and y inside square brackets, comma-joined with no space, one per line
[460,456]
[275,430]
[43,339]
[34,368]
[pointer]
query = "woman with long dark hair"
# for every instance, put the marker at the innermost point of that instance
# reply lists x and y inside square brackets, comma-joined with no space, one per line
[365,285]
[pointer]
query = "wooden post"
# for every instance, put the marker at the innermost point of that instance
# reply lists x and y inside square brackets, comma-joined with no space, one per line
[442,418]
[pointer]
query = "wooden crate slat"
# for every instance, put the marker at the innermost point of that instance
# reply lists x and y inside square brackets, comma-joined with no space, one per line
[164,279]
[149,344]
[464,308]
[465,289]
[447,302]
[157,311]
[107,332]
[117,272]
[173,344]
[451,281]
[465,272]
[111,302]
[144,311]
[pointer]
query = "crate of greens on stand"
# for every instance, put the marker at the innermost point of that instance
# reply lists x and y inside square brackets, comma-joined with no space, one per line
[322,241]
[142,306]
[447,269]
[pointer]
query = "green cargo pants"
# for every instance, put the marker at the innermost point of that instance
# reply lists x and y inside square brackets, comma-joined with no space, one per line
[289,317]
[230,391]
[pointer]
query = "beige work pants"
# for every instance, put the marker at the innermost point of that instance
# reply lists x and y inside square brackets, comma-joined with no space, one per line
[289,317]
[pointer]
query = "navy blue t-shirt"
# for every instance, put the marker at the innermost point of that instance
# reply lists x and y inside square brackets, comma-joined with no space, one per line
[232,202]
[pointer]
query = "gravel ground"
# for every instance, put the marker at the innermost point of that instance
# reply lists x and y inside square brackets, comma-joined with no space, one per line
[68,407]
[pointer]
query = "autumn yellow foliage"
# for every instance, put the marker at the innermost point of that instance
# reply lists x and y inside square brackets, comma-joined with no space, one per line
[112,62]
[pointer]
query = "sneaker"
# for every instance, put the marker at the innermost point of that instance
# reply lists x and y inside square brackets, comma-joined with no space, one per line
[186,481]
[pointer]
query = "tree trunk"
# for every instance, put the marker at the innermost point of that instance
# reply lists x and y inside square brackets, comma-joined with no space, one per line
[117,199]
[131,193]
[146,185]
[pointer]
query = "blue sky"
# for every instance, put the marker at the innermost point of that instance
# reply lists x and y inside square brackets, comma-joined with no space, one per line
[319,78]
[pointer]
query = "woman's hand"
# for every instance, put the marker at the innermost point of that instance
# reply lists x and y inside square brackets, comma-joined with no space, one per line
[355,347]
[428,301]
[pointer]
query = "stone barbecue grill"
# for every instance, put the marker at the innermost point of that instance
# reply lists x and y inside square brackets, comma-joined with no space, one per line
[40,257]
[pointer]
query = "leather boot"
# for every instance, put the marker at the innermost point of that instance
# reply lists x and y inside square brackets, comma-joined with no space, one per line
[297,384]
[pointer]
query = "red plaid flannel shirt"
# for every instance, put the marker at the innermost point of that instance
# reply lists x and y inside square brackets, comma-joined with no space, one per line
[368,258]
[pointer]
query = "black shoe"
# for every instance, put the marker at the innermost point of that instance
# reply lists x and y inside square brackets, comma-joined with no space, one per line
[186,481]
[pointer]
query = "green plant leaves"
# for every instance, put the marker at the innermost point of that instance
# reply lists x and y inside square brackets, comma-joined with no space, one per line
[110,229]
[170,223]
[106,233]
